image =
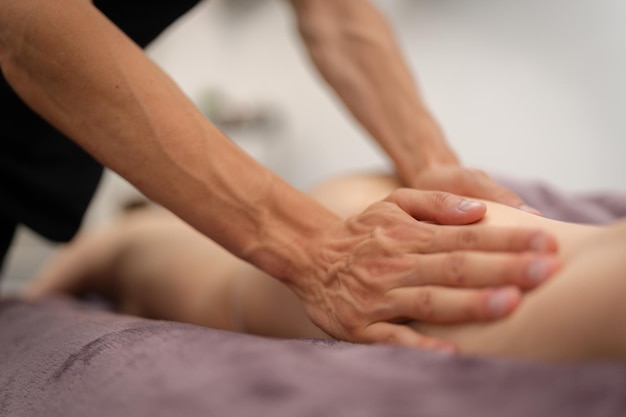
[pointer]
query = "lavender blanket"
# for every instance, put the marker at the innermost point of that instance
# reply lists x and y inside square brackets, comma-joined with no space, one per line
[65,358]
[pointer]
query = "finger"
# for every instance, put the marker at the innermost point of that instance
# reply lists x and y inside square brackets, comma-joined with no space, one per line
[438,206]
[479,269]
[443,305]
[399,334]
[486,238]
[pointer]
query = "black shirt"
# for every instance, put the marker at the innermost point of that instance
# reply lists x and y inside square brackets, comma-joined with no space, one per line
[46,181]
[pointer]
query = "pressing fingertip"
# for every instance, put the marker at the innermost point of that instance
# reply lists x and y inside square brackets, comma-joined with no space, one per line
[542,242]
[541,269]
[502,301]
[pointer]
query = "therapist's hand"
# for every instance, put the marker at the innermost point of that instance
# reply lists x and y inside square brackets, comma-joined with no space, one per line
[460,180]
[391,264]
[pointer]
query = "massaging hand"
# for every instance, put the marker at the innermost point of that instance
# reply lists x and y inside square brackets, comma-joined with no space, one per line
[384,267]
[460,180]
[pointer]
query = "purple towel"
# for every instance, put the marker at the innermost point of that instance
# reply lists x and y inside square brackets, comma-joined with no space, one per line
[65,358]
[61,358]
[600,207]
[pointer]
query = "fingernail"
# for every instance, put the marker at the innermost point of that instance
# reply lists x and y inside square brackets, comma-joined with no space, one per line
[539,242]
[500,302]
[529,209]
[538,271]
[468,205]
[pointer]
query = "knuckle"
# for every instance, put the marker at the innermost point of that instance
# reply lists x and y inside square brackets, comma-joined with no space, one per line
[425,304]
[426,239]
[514,271]
[381,310]
[351,315]
[441,200]
[468,238]
[454,268]
[513,240]
[399,195]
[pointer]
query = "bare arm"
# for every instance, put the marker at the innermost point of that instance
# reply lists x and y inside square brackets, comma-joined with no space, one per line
[75,68]
[356,52]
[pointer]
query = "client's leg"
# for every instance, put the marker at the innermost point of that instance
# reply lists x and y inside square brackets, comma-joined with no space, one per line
[579,314]
[147,263]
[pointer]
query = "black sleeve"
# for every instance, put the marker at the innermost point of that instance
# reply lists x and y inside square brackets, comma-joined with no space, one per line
[46,181]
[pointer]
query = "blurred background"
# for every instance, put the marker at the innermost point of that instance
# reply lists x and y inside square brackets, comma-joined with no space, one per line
[534,89]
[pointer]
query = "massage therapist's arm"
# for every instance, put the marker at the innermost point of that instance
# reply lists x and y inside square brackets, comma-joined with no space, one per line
[81,73]
[357,54]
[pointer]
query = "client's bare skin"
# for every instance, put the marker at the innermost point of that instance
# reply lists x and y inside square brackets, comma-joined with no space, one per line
[149,263]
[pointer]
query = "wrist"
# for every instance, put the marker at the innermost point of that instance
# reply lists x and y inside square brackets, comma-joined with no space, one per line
[424,147]
[287,242]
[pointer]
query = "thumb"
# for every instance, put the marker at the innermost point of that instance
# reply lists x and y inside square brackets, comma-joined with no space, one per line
[438,206]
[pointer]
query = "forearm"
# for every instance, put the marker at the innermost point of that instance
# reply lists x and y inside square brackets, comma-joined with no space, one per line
[77,70]
[356,52]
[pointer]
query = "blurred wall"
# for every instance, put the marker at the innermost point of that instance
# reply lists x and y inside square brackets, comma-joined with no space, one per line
[533,88]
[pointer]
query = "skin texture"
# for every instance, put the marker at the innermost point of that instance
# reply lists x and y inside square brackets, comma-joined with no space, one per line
[83,75]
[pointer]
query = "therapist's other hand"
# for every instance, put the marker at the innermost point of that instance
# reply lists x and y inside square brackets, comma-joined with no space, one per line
[391,264]
[460,180]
